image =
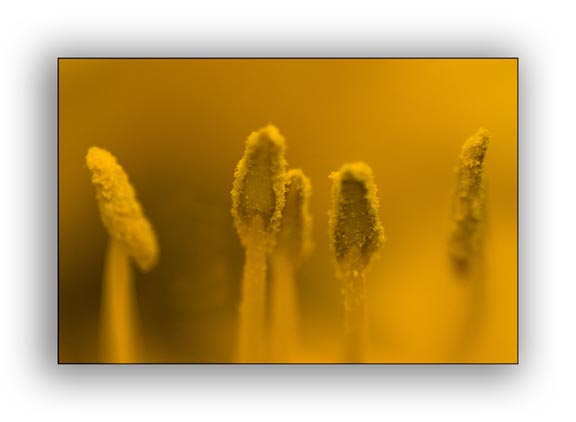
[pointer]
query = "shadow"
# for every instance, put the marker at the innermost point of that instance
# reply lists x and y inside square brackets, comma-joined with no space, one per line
[42,233]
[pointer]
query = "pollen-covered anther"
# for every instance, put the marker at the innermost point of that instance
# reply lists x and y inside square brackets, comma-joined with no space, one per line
[259,184]
[356,231]
[295,235]
[469,197]
[120,210]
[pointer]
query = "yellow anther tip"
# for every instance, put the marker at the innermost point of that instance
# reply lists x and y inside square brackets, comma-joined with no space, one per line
[295,234]
[354,220]
[474,149]
[120,210]
[258,188]
[469,201]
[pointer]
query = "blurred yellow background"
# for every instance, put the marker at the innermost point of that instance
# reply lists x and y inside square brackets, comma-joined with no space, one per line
[178,127]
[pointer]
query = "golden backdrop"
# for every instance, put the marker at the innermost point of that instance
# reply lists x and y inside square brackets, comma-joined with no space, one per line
[178,127]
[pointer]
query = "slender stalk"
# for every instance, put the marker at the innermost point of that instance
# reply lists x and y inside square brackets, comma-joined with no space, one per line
[473,284]
[355,320]
[119,307]
[252,312]
[284,327]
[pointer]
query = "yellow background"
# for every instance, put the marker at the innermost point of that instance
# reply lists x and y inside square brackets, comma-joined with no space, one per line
[178,128]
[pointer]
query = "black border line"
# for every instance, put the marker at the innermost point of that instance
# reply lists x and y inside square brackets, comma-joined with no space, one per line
[517,363]
[58,210]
